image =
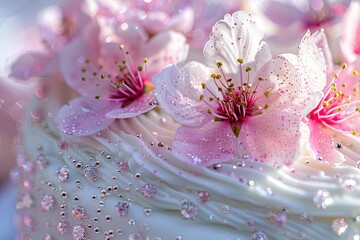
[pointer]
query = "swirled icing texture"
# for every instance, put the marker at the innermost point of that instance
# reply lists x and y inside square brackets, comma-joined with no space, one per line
[125,183]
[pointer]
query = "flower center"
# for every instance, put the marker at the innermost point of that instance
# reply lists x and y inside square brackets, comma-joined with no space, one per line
[124,86]
[337,105]
[233,101]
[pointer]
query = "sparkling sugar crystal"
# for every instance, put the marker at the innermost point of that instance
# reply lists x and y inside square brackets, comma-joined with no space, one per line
[47,202]
[203,197]
[188,209]
[78,212]
[62,174]
[322,199]
[339,226]
[62,227]
[149,190]
[348,184]
[257,235]
[277,219]
[91,173]
[122,208]
[78,232]
[123,167]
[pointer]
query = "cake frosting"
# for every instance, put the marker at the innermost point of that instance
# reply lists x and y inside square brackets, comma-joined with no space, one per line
[133,172]
[126,183]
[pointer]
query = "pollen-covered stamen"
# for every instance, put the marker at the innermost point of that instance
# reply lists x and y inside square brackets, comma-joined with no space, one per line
[235,100]
[124,83]
[337,105]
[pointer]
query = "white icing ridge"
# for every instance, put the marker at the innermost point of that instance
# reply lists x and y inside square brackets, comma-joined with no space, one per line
[251,189]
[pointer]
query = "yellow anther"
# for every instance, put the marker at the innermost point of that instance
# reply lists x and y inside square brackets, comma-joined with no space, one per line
[220,89]
[357,109]
[353,132]
[211,99]
[355,72]
[87,60]
[260,79]
[203,85]
[97,97]
[339,109]
[209,110]
[344,66]
[325,103]
[121,46]
[240,60]
[83,79]
[218,76]
[140,68]
[102,76]
[201,97]
[219,64]
[336,95]
[266,106]
[356,89]
[344,85]
[145,60]
[266,93]
[213,75]
[248,69]
[336,75]
[83,70]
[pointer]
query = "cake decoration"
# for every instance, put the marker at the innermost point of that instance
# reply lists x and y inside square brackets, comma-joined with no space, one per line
[132,134]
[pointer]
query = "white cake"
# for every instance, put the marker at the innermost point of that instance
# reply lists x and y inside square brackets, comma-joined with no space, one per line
[126,182]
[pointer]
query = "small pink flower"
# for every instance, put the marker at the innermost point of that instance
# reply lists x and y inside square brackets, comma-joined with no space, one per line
[113,79]
[350,40]
[252,104]
[337,113]
[57,27]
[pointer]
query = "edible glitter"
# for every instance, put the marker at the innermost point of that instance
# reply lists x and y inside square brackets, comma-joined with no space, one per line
[348,184]
[322,199]
[123,167]
[62,144]
[62,227]
[225,209]
[78,232]
[78,212]
[188,209]
[339,226]
[62,174]
[122,208]
[91,173]
[47,202]
[277,219]
[42,161]
[257,235]
[149,190]
[147,211]
[203,197]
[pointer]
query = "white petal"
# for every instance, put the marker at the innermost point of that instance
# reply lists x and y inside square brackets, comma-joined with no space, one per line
[178,93]
[237,36]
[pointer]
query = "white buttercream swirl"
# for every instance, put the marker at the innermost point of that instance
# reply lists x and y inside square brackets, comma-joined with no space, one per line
[251,189]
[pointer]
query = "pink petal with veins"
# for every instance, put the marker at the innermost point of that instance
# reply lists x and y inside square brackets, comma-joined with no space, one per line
[209,144]
[237,36]
[178,92]
[322,143]
[274,137]
[163,49]
[85,116]
[138,106]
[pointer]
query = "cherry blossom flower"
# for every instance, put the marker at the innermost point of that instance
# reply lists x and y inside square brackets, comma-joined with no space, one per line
[113,78]
[244,101]
[337,113]
[192,18]
[57,27]
[295,17]
[350,40]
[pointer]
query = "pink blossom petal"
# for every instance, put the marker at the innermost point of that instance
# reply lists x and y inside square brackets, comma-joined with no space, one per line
[280,87]
[178,93]
[163,49]
[322,143]
[209,144]
[280,12]
[155,21]
[183,21]
[274,137]
[237,36]
[84,116]
[350,40]
[141,105]
[34,64]
[320,40]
